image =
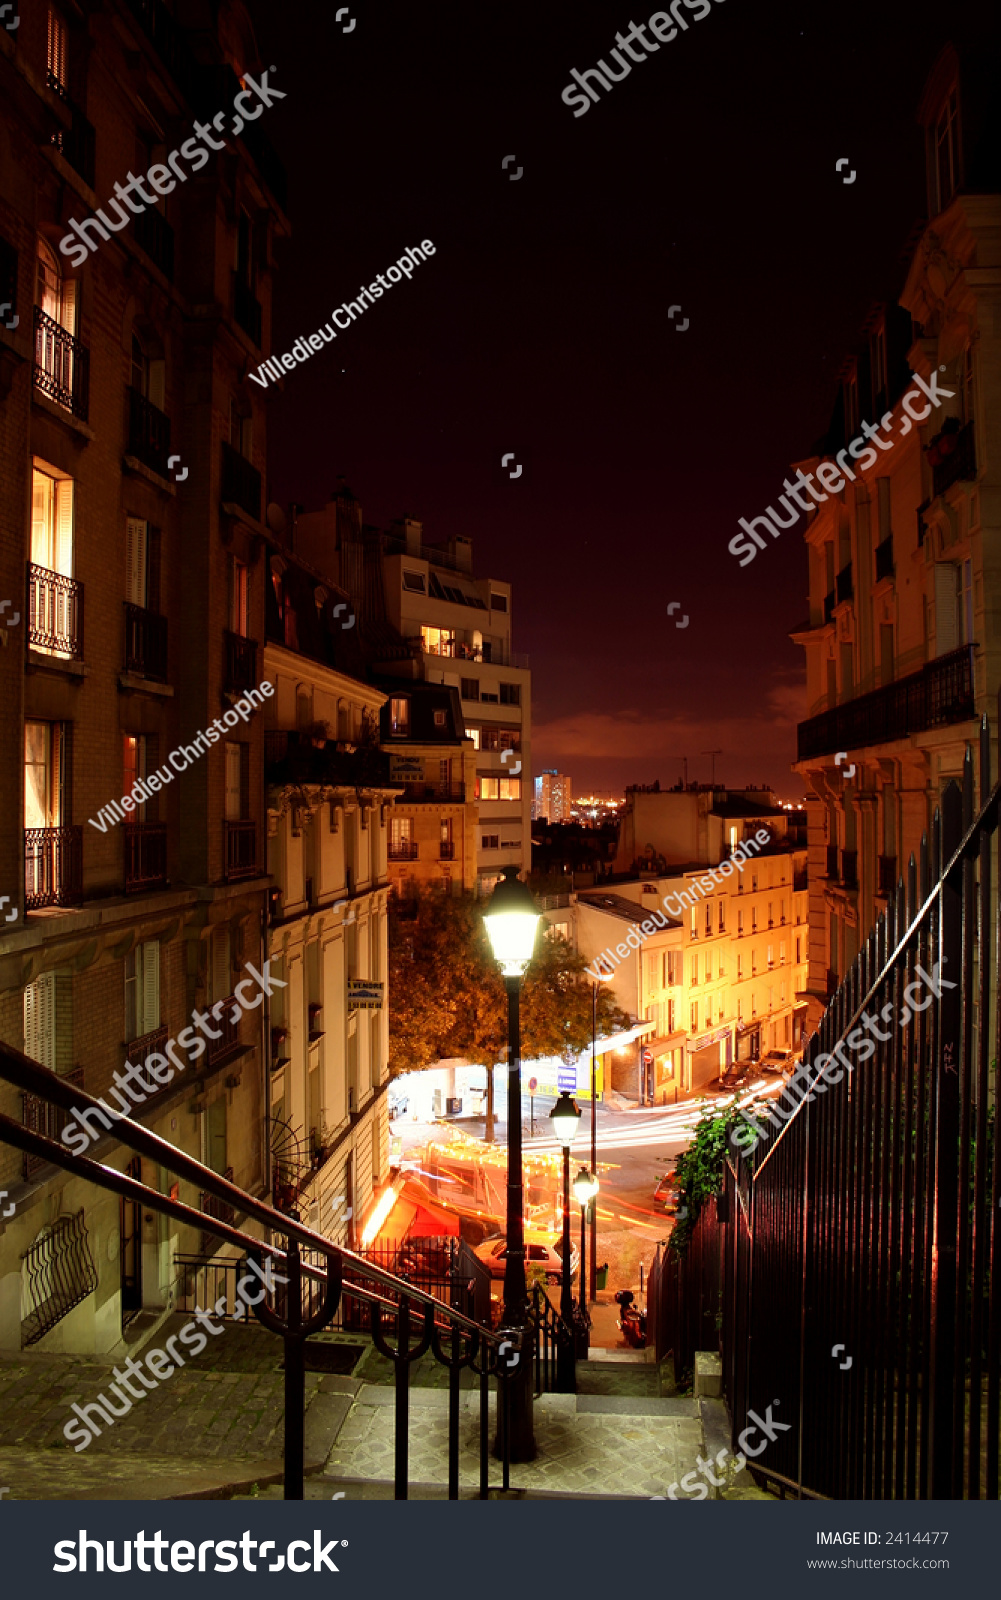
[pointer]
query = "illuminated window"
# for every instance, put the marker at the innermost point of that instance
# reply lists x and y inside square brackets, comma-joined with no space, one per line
[399,716]
[474,734]
[438,641]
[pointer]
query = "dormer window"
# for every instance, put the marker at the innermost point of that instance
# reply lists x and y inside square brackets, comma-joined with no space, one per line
[399,716]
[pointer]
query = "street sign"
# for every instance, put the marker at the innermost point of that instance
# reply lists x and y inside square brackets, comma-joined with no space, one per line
[533,1084]
[566,1080]
[647,1057]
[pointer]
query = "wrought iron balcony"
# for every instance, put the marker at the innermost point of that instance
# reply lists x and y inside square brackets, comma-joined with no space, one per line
[139,1050]
[221,1021]
[446,850]
[212,1206]
[145,856]
[75,143]
[435,791]
[62,366]
[240,670]
[832,863]
[849,869]
[241,482]
[149,433]
[55,612]
[884,559]
[59,1273]
[845,589]
[53,867]
[145,643]
[938,694]
[403,850]
[239,850]
[154,233]
[41,1117]
[247,309]
[956,462]
[887,874]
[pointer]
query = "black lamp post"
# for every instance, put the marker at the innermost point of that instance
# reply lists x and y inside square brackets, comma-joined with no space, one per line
[585,1188]
[565,1117]
[512,919]
[594,1136]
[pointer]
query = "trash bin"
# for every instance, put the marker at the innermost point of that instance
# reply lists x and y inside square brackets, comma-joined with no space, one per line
[602,1278]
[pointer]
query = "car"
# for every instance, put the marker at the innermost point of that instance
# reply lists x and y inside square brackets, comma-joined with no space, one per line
[777,1062]
[734,1077]
[540,1250]
[668,1192]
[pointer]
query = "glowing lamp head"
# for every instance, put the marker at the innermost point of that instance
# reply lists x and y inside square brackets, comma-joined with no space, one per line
[512,920]
[564,1117]
[585,1186]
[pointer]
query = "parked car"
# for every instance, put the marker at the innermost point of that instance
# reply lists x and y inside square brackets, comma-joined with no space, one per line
[733,1078]
[777,1062]
[540,1250]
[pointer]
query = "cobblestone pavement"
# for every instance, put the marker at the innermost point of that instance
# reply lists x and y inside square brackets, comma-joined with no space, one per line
[608,1452]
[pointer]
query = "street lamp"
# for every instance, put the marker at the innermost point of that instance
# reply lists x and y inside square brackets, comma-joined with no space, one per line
[565,1117]
[511,921]
[602,977]
[585,1188]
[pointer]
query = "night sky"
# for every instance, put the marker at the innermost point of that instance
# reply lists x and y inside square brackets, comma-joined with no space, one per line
[706,180]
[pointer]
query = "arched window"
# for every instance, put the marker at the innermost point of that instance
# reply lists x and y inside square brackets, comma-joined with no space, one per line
[54,294]
[140,367]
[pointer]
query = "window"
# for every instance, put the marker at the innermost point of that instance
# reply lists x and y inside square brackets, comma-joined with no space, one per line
[798,949]
[57,59]
[754,884]
[709,919]
[140,757]
[490,841]
[414,581]
[52,522]
[438,641]
[40,1021]
[740,968]
[498,602]
[694,970]
[782,954]
[510,694]
[56,297]
[239,598]
[401,832]
[721,924]
[953,605]
[474,734]
[740,923]
[672,962]
[46,774]
[494,788]
[695,922]
[399,716]
[439,719]
[445,832]
[237,791]
[771,953]
[241,429]
[695,1016]
[947,175]
[470,688]
[142,990]
[142,564]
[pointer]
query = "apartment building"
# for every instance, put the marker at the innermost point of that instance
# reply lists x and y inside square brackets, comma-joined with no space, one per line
[432,826]
[553,800]
[329,800]
[130,541]
[902,645]
[425,617]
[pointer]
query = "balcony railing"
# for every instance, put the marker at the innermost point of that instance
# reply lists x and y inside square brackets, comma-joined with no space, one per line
[938,694]
[849,869]
[959,463]
[404,850]
[221,1020]
[887,874]
[145,642]
[434,791]
[145,856]
[240,849]
[154,233]
[62,366]
[884,559]
[55,612]
[212,1206]
[76,143]
[832,863]
[139,1050]
[149,433]
[247,309]
[41,1117]
[846,589]
[241,482]
[446,850]
[240,670]
[53,867]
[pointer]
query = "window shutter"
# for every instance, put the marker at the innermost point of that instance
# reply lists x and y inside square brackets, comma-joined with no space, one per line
[42,487]
[946,608]
[151,985]
[135,562]
[244,780]
[132,1029]
[62,785]
[39,1021]
[130,762]
[153,570]
[68,304]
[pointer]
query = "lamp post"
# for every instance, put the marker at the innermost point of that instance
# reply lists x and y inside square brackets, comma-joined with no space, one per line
[511,920]
[594,1134]
[585,1188]
[565,1117]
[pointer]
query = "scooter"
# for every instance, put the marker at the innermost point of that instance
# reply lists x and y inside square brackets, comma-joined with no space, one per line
[632,1321]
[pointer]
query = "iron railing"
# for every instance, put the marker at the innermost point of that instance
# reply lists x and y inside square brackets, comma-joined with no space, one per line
[403,850]
[937,694]
[154,233]
[222,1014]
[240,669]
[59,1273]
[140,1049]
[145,642]
[55,612]
[434,791]
[241,482]
[149,432]
[53,867]
[868,1227]
[454,1339]
[212,1206]
[145,856]
[239,850]
[62,366]
[446,850]
[41,1117]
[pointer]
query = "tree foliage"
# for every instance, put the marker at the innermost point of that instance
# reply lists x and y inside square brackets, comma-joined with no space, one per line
[447,998]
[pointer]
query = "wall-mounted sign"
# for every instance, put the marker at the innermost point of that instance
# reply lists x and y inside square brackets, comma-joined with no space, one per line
[364,995]
[692,1045]
[406,769]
